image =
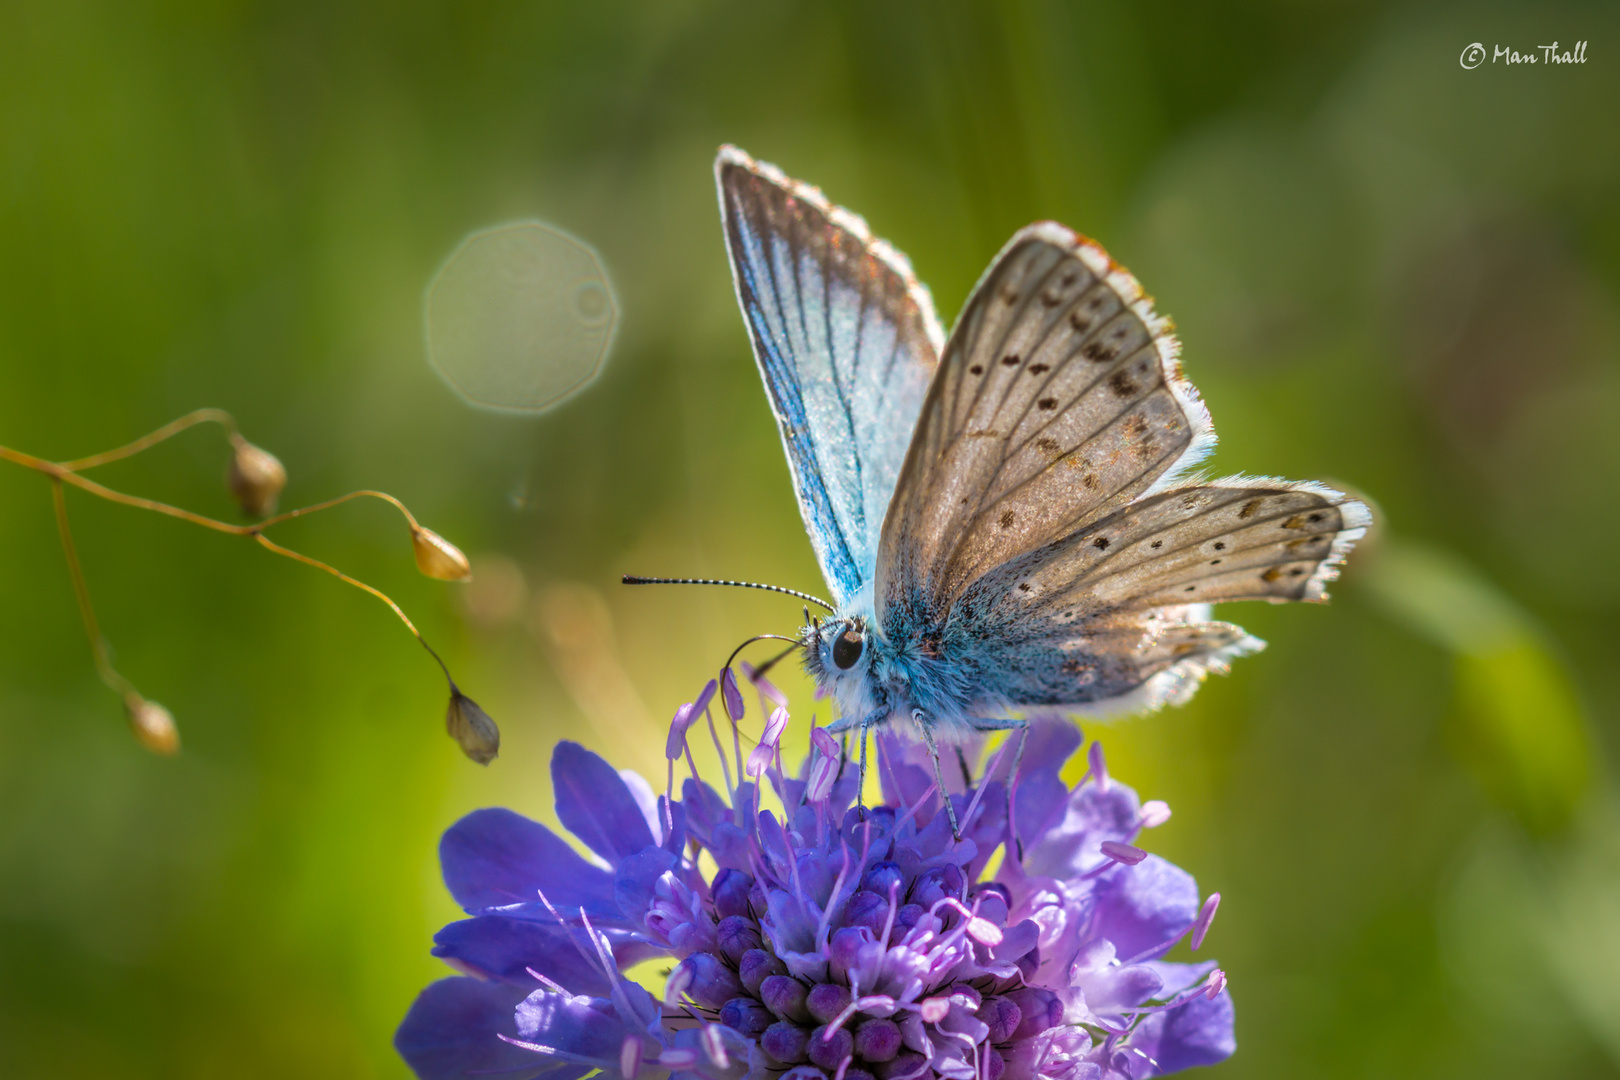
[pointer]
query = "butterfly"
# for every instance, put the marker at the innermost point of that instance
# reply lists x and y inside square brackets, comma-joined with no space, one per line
[1007,517]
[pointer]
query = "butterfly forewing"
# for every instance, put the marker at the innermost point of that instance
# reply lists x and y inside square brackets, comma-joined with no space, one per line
[1058,401]
[846,341]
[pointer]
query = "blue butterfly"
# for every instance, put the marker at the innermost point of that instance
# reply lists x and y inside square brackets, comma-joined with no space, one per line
[1005,516]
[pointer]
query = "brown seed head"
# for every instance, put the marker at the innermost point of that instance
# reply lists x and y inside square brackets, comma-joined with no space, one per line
[472,728]
[256,478]
[152,725]
[439,558]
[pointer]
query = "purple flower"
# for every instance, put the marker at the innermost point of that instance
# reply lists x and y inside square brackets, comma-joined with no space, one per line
[829,943]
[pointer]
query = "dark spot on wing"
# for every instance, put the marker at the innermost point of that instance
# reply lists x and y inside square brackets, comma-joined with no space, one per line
[1214,562]
[1006,519]
[977,369]
[1047,403]
[1295,522]
[1096,350]
[1039,369]
[1023,586]
[1250,507]
[1047,443]
[1101,543]
[1010,360]
[1190,588]
[1090,480]
[1122,384]
[1316,516]
[1083,316]
[1136,424]
[1220,545]
[1156,545]
[1271,575]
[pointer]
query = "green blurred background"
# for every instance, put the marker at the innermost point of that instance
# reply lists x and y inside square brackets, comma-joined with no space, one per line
[1388,271]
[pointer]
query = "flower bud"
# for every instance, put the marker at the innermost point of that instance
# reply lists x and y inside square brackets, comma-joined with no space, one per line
[152,725]
[437,557]
[826,1000]
[785,1041]
[256,478]
[756,966]
[712,983]
[828,1048]
[737,935]
[730,892]
[877,1040]
[746,1016]
[472,728]
[784,996]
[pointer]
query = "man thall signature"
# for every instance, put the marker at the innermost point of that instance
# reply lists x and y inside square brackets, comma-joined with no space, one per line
[1474,55]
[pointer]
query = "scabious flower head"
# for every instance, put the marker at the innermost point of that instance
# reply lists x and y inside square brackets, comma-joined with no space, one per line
[820,941]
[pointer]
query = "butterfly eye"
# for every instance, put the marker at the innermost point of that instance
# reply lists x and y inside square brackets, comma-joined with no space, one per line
[847,649]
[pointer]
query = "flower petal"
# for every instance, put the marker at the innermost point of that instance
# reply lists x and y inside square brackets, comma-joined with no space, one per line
[453,1030]
[705,807]
[495,857]
[497,947]
[1141,906]
[1197,1033]
[904,780]
[1072,842]
[579,1025]
[637,877]
[1052,741]
[595,804]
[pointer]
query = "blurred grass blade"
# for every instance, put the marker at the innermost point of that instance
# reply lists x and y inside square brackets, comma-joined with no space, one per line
[1519,724]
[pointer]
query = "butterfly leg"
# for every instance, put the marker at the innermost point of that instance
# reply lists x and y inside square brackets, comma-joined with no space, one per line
[860,785]
[1022,727]
[927,732]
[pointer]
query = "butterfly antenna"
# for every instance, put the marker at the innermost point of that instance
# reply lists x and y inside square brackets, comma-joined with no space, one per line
[634,579]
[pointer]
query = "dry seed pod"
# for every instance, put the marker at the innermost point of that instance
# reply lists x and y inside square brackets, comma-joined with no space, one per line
[437,557]
[472,728]
[256,478]
[152,725]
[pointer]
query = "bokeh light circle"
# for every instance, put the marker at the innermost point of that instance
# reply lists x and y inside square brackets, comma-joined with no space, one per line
[520,317]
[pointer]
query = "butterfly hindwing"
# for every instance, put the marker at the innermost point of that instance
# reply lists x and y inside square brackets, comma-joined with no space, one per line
[847,342]
[1233,539]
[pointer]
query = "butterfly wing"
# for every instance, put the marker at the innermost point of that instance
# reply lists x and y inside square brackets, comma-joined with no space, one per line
[847,342]
[1038,531]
